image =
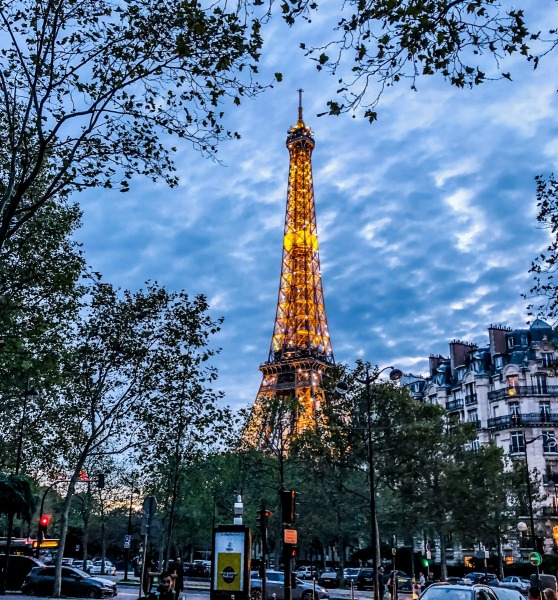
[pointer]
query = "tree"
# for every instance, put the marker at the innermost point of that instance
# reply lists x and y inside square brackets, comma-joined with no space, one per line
[92,89]
[381,42]
[113,373]
[39,294]
[544,266]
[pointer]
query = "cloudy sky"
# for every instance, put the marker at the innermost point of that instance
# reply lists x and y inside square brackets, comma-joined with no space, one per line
[426,219]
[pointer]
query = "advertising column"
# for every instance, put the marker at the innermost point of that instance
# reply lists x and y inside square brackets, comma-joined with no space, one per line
[230,578]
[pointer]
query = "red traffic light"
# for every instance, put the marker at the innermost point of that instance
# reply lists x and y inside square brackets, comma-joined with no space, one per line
[44,520]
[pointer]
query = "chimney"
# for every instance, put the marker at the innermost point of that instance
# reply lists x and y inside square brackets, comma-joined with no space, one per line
[497,339]
[434,361]
[458,353]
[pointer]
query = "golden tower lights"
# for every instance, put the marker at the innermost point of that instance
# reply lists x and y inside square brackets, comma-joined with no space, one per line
[300,346]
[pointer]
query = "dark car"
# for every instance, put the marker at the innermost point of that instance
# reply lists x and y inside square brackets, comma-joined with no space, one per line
[18,569]
[40,582]
[329,578]
[350,574]
[446,591]
[365,579]
[404,582]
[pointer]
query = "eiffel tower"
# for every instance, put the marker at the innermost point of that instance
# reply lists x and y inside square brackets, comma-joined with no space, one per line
[290,395]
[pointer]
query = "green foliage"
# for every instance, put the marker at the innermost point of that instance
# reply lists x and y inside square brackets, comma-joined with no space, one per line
[39,296]
[91,90]
[543,268]
[379,43]
[17,496]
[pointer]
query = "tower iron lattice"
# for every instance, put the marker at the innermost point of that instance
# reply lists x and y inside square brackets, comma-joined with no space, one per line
[291,392]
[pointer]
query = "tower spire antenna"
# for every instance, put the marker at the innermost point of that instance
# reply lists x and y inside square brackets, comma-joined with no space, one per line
[300,104]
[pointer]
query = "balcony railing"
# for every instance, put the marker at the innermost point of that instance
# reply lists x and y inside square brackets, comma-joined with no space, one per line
[523,420]
[471,399]
[454,404]
[523,390]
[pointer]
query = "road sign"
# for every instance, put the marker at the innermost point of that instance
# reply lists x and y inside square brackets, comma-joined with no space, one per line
[149,509]
[535,559]
[290,536]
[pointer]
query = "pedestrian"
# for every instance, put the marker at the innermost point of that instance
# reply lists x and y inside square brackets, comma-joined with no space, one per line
[149,574]
[421,580]
[534,593]
[177,573]
[164,590]
[549,594]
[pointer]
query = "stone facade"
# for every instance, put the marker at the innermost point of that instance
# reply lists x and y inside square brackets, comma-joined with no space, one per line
[509,388]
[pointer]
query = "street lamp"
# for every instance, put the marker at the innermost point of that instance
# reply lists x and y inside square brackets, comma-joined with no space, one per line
[395,375]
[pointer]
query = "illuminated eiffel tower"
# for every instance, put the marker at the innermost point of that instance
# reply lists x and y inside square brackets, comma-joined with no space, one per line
[300,346]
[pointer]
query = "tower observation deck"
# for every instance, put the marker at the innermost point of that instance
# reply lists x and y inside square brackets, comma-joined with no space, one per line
[291,391]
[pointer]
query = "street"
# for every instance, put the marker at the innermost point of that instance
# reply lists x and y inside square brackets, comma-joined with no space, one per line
[127,592]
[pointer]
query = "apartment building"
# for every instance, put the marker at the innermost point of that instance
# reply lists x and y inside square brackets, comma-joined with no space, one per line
[509,389]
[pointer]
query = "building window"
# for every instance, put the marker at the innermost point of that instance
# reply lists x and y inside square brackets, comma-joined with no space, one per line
[513,384]
[540,383]
[549,442]
[544,408]
[524,341]
[517,442]
[495,411]
[473,416]
[475,445]
[514,411]
[510,342]
[547,359]
[498,362]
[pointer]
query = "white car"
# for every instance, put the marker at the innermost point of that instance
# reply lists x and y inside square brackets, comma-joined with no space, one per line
[97,568]
[516,583]
[306,572]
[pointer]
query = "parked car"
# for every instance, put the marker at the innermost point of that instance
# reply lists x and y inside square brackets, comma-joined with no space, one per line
[306,572]
[301,590]
[40,582]
[350,574]
[18,569]
[97,568]
[78,564]
[197,569]
[478,577]
[329,578]
[365,579]
[404,582]
[514,582]
[447,591]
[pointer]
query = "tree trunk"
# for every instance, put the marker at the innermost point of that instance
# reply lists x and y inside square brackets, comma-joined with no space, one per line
[63,532]
[443,565]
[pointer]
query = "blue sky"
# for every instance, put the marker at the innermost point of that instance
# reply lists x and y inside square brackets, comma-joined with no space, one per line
[426,219]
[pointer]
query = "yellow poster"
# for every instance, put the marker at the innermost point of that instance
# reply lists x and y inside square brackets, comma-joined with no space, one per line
[229,571]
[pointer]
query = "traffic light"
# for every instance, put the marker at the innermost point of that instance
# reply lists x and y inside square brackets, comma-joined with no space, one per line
[288,506]
[263,516]
[43,525]
[289,552]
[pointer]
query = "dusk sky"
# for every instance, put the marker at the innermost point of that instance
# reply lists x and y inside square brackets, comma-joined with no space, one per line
[426,218]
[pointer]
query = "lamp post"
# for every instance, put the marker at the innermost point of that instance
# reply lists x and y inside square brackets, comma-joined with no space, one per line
[367,381]
[129,538]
